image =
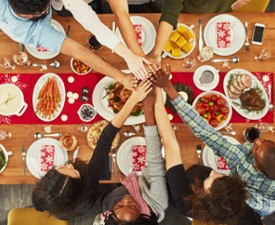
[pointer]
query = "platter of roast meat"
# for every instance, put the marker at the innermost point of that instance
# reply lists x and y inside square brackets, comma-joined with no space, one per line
[246,94]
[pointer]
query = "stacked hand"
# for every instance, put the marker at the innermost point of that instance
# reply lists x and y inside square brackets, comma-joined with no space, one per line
[142,90]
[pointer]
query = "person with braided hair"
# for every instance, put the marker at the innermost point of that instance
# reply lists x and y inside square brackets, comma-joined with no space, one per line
[72,190]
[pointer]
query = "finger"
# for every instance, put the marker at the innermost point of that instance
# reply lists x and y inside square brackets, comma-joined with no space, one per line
[146,61]
[138,75]
[168,69]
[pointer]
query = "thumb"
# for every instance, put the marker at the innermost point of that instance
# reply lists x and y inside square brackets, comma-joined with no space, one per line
[146,61]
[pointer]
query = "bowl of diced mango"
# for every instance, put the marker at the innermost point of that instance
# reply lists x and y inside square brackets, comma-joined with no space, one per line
[181,42]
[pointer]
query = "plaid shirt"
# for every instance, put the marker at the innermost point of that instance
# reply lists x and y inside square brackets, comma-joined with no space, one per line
[239,158]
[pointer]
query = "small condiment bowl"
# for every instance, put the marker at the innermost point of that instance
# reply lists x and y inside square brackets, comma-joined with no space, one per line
[68,142]
[86,112]
[79,67]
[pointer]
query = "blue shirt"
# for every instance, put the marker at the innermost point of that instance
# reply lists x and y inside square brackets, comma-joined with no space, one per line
[239,159]
[28,32]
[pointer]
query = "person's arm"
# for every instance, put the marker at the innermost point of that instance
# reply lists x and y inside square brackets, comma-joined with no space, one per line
[199,126]
[153,182]
[168,21]
[122,19]
[74,49]
[239,3]
[98,160]
[86,16]
[177,180]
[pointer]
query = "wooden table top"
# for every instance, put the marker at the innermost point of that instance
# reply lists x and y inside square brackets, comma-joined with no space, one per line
[23,134]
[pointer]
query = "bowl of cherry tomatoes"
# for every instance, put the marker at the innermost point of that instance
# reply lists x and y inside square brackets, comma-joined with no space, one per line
[214,107]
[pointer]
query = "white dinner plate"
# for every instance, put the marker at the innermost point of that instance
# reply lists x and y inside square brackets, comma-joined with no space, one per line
[101,103]
[148,33]
[39,84]
[202,86]
[210,159]
[33,156]
[124,154]
[46,55]
[182,54]
[236,103]
[237,34]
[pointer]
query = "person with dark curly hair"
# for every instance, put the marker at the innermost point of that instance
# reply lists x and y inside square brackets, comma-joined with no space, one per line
[72,190]
[200,192]
[141,199]
[29,22]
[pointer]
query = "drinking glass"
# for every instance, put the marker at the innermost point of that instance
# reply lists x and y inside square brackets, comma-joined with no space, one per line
[5,135]
[205,54]
[188,62]
[251,134]
[263,55]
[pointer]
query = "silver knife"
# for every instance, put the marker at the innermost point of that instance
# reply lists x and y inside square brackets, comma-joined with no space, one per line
[200,36]
[23,161]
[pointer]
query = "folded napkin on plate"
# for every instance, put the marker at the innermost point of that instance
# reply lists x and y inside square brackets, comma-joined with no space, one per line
[46,157]
[138,157]
[221,163]
[138,30]
[223,34]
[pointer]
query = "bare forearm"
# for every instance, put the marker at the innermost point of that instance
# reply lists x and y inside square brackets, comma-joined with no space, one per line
[163,32]
[149,115]
[73,49]
[170,143]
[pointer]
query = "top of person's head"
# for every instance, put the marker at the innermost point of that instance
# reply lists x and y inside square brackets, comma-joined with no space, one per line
[59,194]
[29,6]
[142,220]
[223,203]
[264,155]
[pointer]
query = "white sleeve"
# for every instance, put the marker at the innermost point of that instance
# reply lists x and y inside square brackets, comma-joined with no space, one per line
[87,17]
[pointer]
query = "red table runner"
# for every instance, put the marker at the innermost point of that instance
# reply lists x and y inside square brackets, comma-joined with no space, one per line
[26,83]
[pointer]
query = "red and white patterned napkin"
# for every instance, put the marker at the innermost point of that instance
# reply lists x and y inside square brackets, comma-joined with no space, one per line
[223,35]
[221,163]
[42,49]
[46,157]
[138,30]
[138,157]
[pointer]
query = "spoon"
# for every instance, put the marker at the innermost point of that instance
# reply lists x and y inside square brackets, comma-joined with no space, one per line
[232,60]
[54,64]
[39,135]
[229,132]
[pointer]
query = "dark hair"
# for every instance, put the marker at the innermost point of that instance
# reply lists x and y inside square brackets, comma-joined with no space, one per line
[267,166]
[47,195]
[224,203]
[142,220]
[28,6]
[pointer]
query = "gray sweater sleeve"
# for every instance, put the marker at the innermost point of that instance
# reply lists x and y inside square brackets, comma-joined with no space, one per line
[153,182]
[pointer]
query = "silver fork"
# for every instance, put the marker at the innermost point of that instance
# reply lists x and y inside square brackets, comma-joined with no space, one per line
[246,44]
[113,154]
[199,148]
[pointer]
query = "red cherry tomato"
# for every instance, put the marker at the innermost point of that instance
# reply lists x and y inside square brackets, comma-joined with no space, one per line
[224,110]
[214,122]
[221,102]
[201,110]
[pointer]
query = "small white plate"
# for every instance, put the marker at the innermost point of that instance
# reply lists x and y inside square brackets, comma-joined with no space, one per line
[124,154]
[39,84]
[210,159]
[46,55]
[33,156]
[237,34]
[6,155]
[202,86]
[148,33]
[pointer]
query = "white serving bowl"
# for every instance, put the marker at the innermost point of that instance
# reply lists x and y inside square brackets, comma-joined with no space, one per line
[72,62]
[223,123]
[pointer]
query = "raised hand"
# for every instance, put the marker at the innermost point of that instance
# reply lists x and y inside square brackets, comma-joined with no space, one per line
[142,90]
[161,77]
[129,81]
